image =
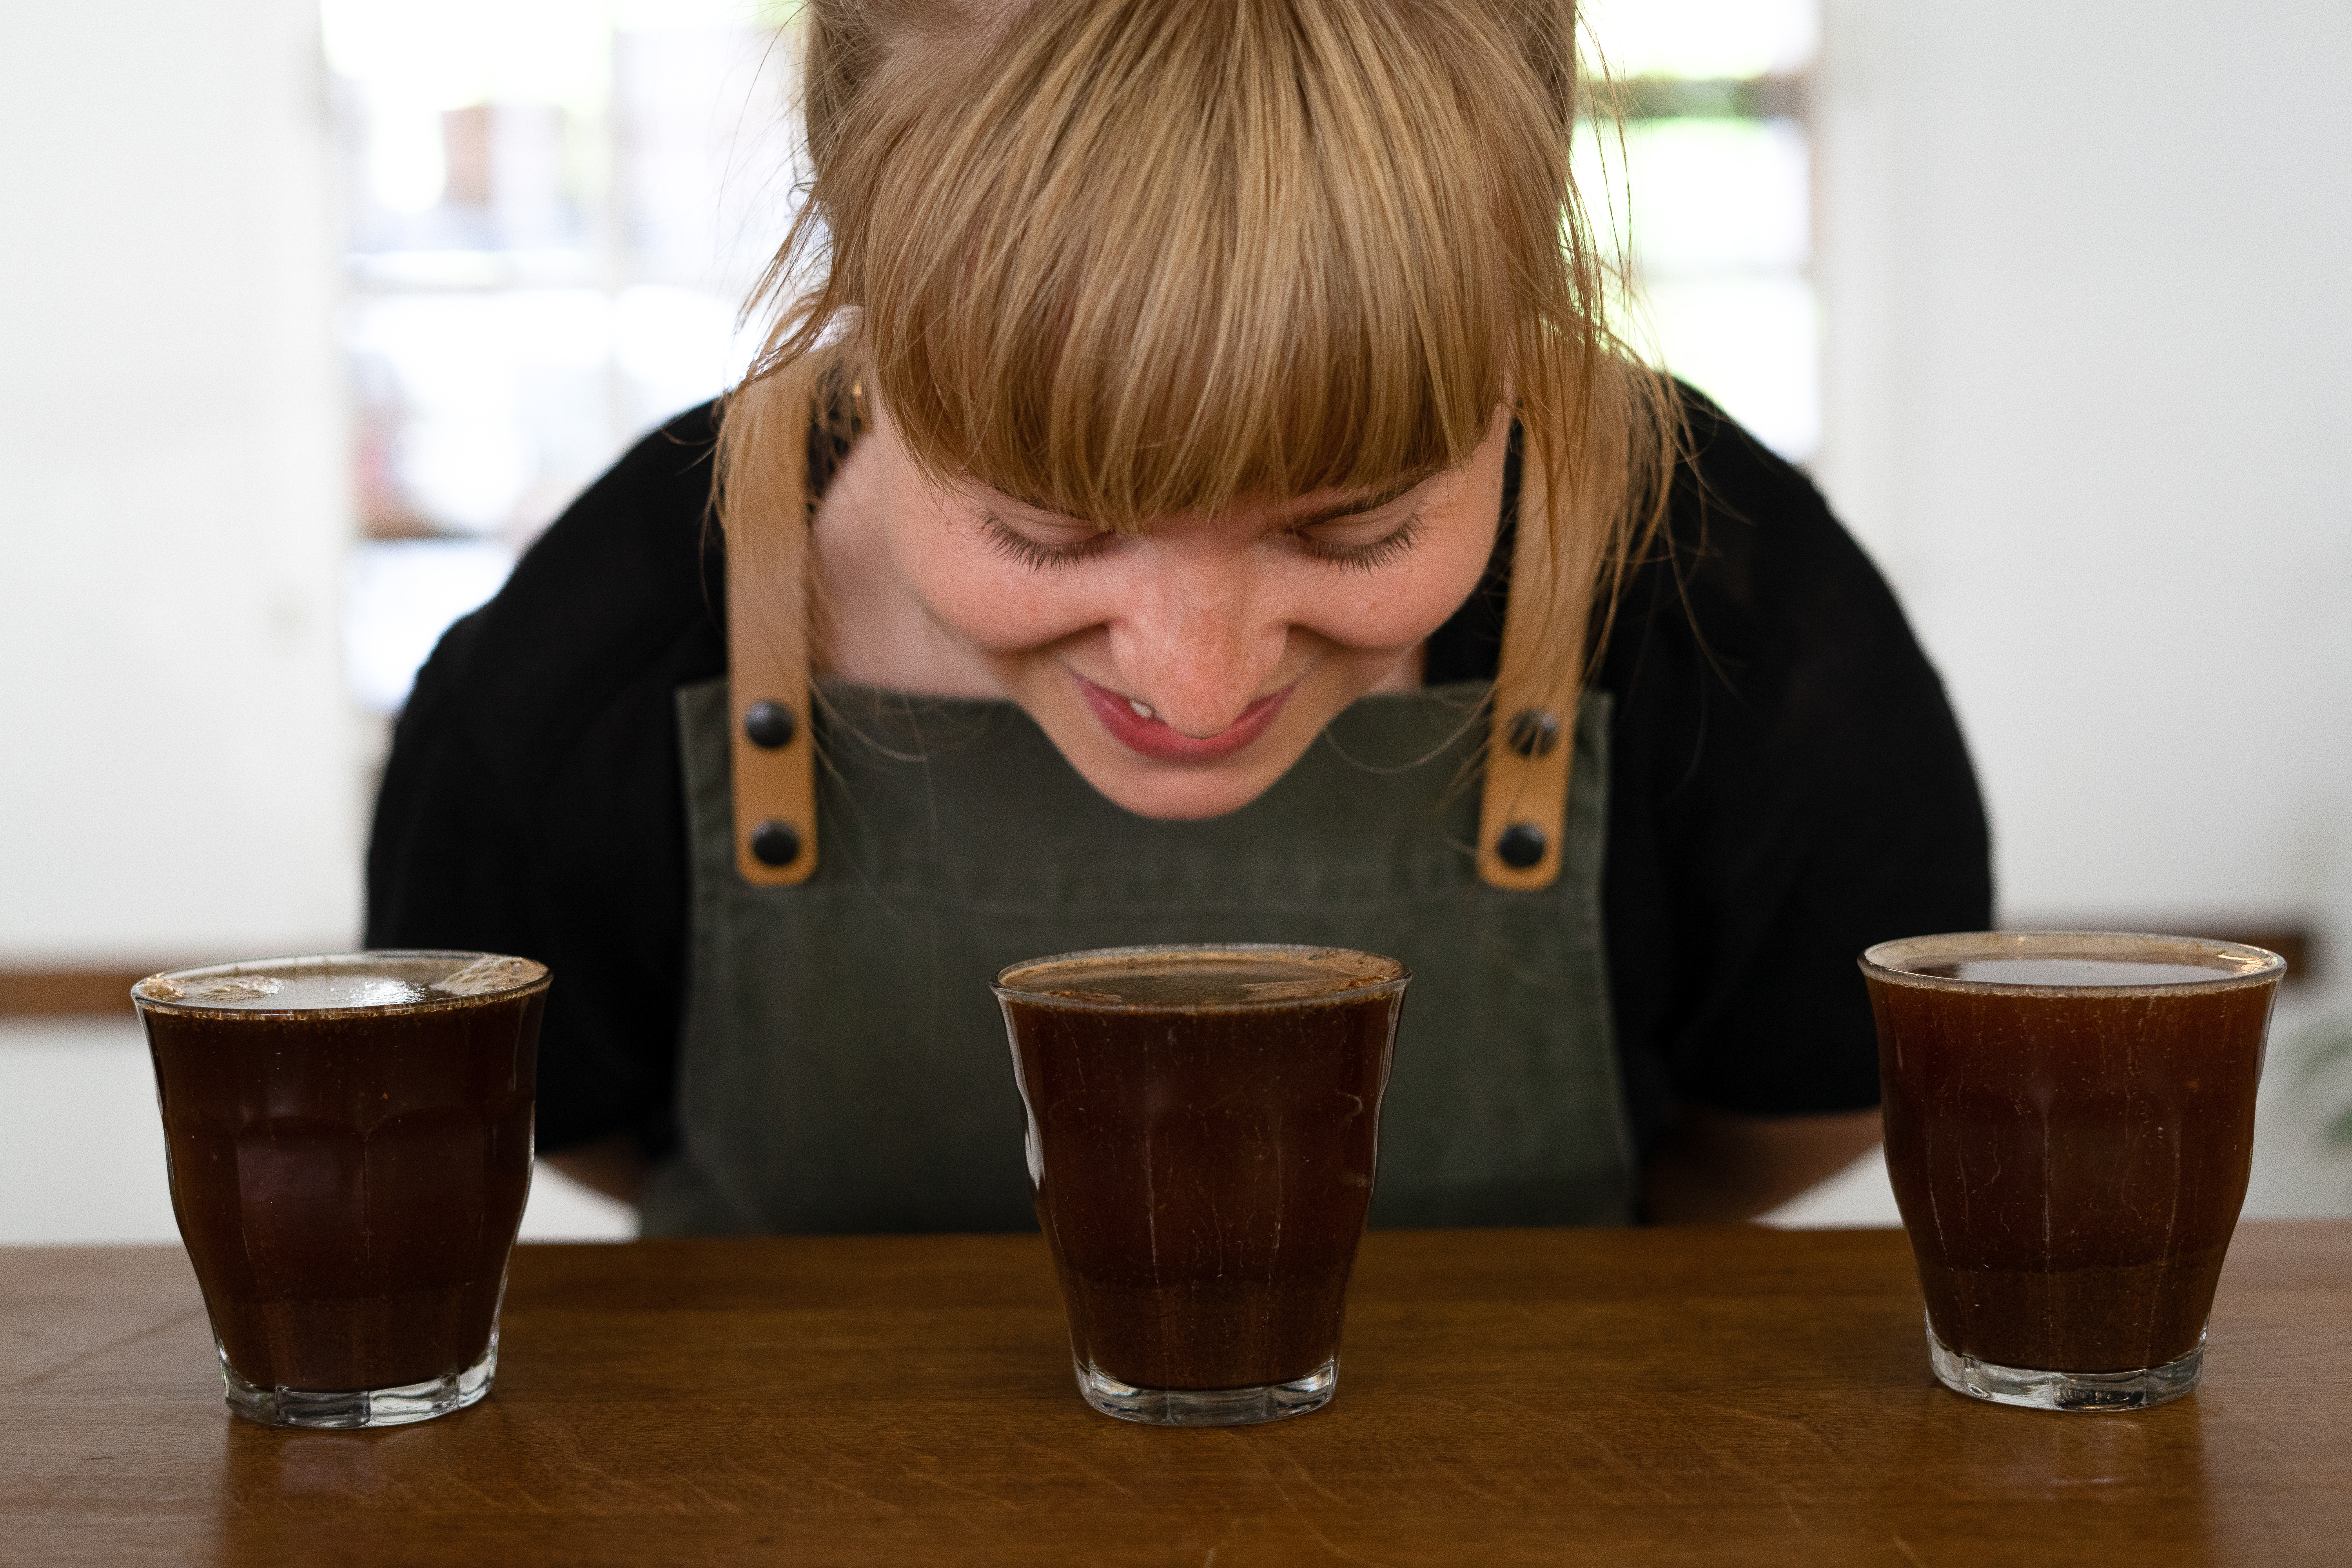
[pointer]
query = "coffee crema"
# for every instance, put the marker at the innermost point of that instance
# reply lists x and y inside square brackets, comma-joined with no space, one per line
[1156,978]
[336,985]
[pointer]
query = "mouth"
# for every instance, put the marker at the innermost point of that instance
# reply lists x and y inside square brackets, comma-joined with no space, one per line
[1139,730]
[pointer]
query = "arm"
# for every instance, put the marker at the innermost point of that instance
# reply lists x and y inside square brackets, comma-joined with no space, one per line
[532,802]
[1713,1167]
[1788,786]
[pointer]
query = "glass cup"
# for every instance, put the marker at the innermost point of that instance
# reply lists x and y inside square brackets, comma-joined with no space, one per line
[2069,1123]
[1204,1124]
[348,1139]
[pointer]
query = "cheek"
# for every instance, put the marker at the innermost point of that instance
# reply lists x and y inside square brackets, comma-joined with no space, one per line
[997,605]
[1384,609]
[1399,606]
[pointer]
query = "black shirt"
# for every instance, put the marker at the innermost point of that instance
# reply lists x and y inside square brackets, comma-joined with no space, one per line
[1786,787]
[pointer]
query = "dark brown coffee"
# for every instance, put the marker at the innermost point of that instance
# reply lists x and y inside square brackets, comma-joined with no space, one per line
[350,1148]
[1205,1128]
[2070,1158]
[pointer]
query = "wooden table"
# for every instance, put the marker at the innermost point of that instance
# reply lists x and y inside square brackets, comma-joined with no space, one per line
[1725,1396]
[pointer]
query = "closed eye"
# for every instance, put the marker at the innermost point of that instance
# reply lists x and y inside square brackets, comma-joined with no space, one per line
[1078,541]
[1361,536]
[1333,541]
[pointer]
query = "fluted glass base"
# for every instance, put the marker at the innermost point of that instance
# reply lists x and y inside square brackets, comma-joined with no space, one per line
[1209,1406]
[345,1409]
[2080,1391]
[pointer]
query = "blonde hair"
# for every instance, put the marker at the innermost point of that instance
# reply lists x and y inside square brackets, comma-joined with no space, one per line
[1129,259]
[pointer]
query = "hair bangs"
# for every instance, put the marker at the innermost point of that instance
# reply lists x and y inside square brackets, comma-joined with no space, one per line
[1150,267]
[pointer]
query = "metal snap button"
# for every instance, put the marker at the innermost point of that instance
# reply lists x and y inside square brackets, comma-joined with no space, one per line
[775,843]
[770,725]
[1521,846]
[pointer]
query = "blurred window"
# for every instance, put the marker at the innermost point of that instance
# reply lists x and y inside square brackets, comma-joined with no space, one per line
[1709,192]
[553,209]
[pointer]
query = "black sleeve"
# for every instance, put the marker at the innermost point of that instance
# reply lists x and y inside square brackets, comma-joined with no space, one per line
[532,801]
[1788,786]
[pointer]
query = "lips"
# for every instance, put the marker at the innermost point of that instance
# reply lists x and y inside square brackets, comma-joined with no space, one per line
[1155,740]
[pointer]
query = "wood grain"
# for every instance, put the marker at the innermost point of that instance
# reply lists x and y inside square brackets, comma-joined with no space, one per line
[1731,1396]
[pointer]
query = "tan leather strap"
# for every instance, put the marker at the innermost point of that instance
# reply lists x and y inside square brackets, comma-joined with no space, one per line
[1531,731]
[765,507]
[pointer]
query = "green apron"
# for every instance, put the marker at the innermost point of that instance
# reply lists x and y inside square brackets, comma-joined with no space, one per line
[844,1067]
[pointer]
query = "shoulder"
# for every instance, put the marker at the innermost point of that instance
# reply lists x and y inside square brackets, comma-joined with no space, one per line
[627,586]
[1754,594]
[532,801]
[1756,541]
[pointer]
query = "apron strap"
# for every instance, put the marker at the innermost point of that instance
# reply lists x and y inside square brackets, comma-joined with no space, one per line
[766,511]
[1531,730]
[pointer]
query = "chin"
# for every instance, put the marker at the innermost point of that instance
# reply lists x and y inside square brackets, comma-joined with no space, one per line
[1185,795]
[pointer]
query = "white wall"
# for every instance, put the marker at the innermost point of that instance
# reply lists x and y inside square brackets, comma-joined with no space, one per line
[177,772]
[2089,381]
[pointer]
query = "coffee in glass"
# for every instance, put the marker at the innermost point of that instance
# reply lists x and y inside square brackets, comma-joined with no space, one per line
[1204,1124]
[2070,1122]
[349,1140]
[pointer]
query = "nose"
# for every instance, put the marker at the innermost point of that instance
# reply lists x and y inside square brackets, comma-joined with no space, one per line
[1198,643]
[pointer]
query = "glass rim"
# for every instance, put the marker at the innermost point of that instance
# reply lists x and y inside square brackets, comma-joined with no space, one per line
[1885,961]
[538,980]
[1385,984]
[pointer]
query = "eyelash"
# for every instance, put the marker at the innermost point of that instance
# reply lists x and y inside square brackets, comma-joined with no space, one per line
[1398,542]
[1019,547]
[1016,546]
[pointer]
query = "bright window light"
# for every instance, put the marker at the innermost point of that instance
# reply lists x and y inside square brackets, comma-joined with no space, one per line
[399,596]
[1719,196]
[1752,344]
[1708,193]
[556,209]
[1704,38]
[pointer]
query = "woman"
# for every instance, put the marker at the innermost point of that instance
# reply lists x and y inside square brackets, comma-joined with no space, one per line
[1197,498]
